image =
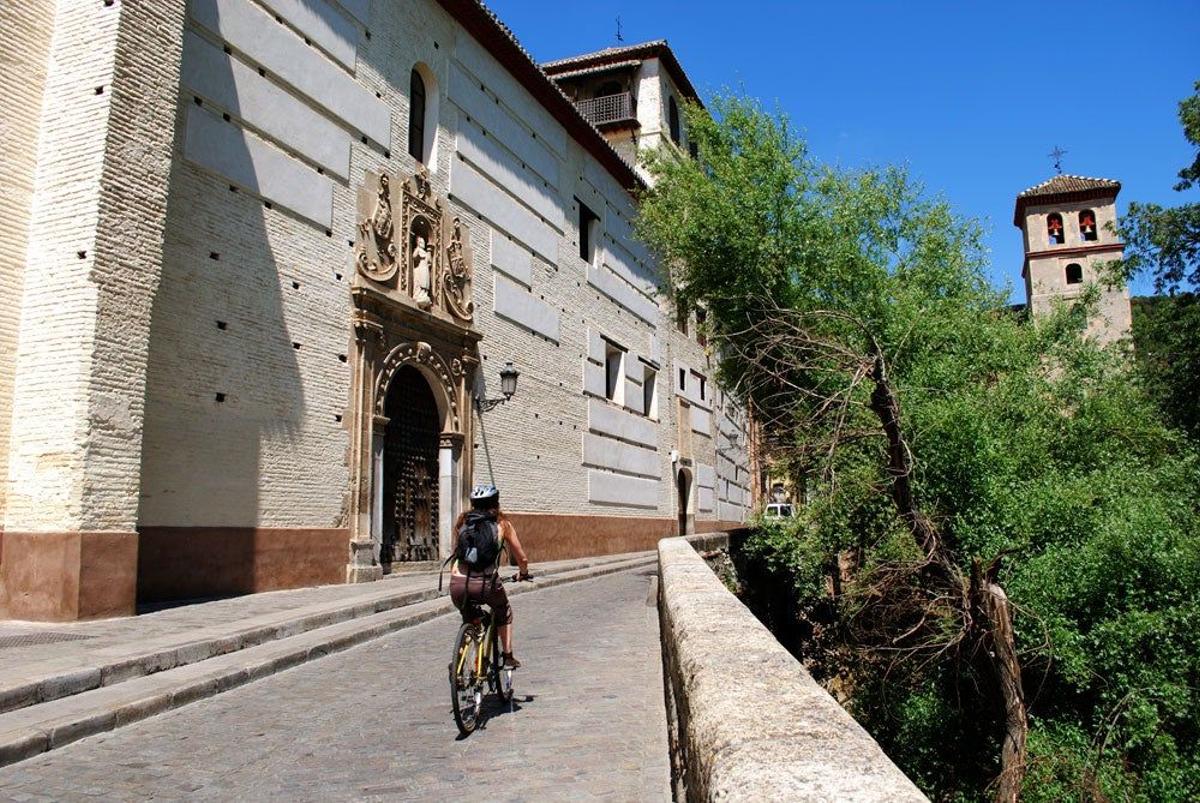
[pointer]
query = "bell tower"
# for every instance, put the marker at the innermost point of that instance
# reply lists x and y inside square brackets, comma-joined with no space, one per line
[1068,237]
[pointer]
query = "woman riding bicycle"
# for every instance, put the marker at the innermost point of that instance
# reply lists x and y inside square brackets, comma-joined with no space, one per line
[482,583]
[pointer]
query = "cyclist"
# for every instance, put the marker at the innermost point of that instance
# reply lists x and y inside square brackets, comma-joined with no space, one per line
[483,584]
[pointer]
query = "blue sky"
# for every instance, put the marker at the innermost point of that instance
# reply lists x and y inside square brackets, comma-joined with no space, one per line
[971,96]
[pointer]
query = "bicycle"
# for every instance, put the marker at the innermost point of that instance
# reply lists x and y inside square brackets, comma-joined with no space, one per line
[477,660]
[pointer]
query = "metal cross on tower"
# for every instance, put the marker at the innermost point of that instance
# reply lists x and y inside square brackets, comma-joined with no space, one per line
[1057,154]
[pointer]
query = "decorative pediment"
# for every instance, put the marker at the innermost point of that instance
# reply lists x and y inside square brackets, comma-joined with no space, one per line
[410,249]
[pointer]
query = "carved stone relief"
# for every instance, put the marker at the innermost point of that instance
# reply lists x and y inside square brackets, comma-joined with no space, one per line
[456,280]
[421,354]
[411,250]
[376,254]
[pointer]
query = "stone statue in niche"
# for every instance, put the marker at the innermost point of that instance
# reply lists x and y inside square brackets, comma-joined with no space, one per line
[422,273]
[421,227]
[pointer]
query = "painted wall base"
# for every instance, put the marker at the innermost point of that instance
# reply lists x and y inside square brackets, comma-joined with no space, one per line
[192,562]
[71,576]
[65,576]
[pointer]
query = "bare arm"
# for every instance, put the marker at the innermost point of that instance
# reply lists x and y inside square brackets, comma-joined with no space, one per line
[514,545]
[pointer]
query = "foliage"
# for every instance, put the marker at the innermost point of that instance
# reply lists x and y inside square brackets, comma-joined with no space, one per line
[1032,448]
[1166,241]
[1166,337]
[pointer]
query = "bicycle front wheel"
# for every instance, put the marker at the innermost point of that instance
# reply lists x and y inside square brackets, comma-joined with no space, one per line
[466,689]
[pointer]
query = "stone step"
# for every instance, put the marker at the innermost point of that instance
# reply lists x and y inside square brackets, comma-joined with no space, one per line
[123,662]
[47,726]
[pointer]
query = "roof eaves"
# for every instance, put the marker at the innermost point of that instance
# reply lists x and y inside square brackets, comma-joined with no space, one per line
[598,69]
[483,24]
[658,48]
[605,53]
[1064,188]
[1068,183]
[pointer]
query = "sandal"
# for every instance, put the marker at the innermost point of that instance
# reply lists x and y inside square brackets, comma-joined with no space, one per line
[510,661]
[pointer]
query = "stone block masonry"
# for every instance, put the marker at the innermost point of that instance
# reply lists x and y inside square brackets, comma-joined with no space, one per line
[749,722]
[94,249]
[186,358]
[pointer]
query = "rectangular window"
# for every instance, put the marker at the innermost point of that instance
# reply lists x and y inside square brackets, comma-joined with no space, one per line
[682,380]
[650,393]
[681,317]
[587,233]
[701,320]
[702,384]
[614,373]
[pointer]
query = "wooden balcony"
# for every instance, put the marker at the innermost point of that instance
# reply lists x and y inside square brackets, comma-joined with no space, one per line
[608,109]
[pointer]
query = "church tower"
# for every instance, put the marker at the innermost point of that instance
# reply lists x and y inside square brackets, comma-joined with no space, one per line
[1066,223]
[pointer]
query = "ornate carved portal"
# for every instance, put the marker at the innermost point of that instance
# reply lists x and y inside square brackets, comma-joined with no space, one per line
[414,353]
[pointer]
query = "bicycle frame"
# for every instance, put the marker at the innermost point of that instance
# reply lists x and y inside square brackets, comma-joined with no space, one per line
[485,653]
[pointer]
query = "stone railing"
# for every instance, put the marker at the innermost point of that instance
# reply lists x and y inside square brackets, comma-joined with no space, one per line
[747,721]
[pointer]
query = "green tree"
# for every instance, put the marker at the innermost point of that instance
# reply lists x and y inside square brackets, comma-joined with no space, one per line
[1166,339]
[1165,243]
[1162,241]
[961,453]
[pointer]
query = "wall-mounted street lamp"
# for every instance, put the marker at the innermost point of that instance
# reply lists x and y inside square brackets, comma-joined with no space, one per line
[508,386]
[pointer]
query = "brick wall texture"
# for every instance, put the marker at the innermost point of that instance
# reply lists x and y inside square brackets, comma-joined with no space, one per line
[184,339]
[23,64]
[94,253]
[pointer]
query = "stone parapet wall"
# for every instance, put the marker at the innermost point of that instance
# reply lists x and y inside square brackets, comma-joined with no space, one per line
[748,722]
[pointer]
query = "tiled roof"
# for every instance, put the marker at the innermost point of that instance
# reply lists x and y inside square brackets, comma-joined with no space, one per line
[605,54]
[1067,183]
[599,68]
[1064,188]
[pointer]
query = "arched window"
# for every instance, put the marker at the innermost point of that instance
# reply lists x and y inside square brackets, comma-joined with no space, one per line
[673,119]
[1074,273]
[1087,225]
[1054,228]
[416,116]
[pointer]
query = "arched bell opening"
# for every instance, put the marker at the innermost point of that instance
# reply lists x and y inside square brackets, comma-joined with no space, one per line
[1055,233]
[1087,226]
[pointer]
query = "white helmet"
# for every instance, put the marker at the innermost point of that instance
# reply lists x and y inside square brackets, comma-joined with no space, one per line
[485,497]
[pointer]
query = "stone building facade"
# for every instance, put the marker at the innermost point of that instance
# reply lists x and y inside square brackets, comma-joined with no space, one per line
[262,258]
[1069,228]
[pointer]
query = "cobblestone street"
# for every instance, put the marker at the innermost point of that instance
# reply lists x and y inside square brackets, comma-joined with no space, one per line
[374,722]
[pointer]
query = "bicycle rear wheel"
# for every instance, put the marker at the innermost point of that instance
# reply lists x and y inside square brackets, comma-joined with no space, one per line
[466,690]
[501,677]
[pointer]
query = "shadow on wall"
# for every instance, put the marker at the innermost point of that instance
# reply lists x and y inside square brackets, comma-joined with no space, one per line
[222,379]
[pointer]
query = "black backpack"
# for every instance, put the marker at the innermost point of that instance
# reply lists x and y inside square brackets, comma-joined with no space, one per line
[478,541]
